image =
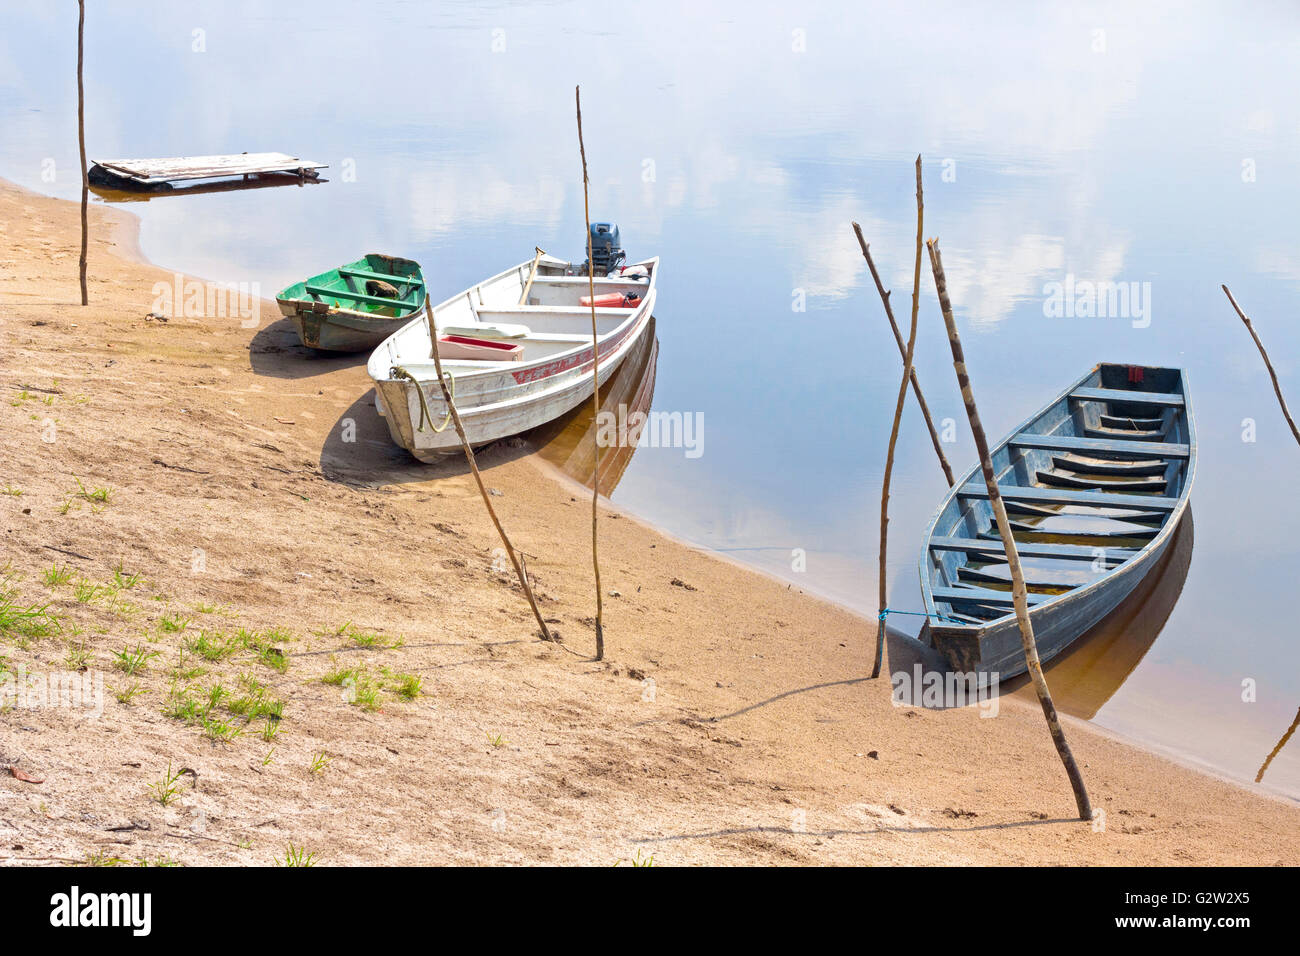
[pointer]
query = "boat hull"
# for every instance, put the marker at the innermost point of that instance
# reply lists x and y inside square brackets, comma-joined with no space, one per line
[339,311]
[998,650]
[498,399]
[1121,481]
[488,423]
[339,332]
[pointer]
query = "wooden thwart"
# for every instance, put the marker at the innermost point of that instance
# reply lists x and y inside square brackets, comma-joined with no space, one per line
[1124,395]
[1071,552]
[1146,449]
[1104,499]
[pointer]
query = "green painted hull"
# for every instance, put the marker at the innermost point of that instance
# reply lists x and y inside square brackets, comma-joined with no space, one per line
[356,306]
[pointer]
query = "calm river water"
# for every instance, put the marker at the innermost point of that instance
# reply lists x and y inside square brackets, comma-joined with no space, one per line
[1153,148]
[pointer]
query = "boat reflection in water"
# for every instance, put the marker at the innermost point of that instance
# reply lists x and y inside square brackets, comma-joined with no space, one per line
[569,442]
[109,194]
[1092,668]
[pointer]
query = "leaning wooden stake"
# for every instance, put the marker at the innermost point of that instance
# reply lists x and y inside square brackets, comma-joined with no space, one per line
[1267,364]
[1019,594]
[902,352]
[473,464]
[81,141]
[1278,749]
[898,418]
[595,380]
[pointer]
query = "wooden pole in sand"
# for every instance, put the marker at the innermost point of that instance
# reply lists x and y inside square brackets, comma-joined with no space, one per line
[1019,594]
[81,142]
[595,381]
[473,466]
[902,352]
[1277,389]
[898,418]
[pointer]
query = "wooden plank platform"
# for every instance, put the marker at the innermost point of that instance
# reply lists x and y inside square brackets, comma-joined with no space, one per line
[1124,395]
[1146,449]
[150,172]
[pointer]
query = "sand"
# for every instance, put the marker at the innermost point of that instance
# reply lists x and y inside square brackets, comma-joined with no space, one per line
[731,723]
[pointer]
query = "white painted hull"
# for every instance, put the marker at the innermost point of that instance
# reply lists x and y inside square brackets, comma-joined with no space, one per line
[498,399]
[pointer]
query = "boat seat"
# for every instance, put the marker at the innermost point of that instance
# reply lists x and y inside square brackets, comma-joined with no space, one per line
[380,277]
[1062,582]
[981,596]
[488,330]
[323,292]
[1068,552]
[1098,466]
[1061,496]
[1124,395]
[1144,449]
[1131,424]
[1120,483]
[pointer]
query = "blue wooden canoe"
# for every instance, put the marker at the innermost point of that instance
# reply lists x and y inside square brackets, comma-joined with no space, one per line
[1095,485]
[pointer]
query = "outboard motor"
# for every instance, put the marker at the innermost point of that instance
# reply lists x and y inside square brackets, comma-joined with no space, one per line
[606,249]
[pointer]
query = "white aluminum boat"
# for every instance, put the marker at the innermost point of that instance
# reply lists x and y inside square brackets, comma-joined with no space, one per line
[513,366]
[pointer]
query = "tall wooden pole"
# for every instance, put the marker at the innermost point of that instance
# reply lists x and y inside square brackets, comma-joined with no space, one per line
[898,418]
[400,372]
[1019,593]
[595,381]
[902,353]
[81,142]
[1277,389]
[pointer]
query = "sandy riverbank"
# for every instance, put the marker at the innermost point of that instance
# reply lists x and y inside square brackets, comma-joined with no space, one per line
[235,497]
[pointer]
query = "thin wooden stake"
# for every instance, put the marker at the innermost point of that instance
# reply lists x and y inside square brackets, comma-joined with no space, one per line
[1267,364]
[595,376]
[1019,594]
[898,418]
[473,466]
[902,353]
[81,142]
[1278,749]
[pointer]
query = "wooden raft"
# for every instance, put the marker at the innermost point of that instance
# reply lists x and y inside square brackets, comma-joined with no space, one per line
[155,172]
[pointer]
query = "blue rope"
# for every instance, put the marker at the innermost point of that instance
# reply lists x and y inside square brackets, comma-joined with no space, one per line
[943,617]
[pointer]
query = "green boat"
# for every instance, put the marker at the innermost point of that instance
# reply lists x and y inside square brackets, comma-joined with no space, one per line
[356,306]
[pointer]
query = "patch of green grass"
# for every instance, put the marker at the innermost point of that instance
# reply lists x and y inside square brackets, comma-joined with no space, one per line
[320,763]
[54,576]
[167,789]
[24,623]
[173,623]
[104,858]
[86,592]
[359,637]
[213,646]
[297,856]
[123,581]
[11,491]
[78,657]
[127,695]
[132,662]
[496,740]
[360,689]
[100,495]
[407,686]
[256,702]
